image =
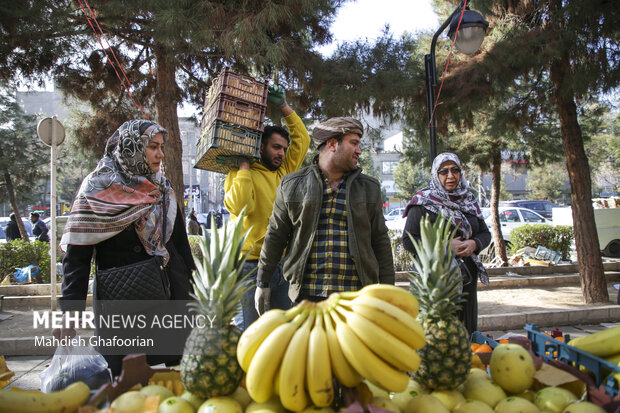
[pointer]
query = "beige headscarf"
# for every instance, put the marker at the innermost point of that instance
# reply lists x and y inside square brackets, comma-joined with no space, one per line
[334,127]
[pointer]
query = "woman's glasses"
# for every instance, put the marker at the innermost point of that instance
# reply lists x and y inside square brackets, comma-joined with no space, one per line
[446,171]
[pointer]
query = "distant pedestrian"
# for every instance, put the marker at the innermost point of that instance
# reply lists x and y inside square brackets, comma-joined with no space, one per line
[39,229]
[193,227]
[11,229]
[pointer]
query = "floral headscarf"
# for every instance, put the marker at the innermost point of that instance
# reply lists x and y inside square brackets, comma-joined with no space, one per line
[124,190]
[455,203]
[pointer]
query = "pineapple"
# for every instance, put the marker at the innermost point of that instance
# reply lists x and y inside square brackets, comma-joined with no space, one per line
[209,366]
[446,358]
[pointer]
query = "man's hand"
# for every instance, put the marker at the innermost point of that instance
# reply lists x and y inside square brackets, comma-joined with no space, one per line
[276,96]
[262,299]
[240,162]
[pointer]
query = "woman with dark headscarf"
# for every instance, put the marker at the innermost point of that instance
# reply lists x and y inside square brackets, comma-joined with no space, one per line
[448,194]
[119,217]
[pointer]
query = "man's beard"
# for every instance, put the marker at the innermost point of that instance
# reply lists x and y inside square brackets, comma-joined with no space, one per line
[267,163]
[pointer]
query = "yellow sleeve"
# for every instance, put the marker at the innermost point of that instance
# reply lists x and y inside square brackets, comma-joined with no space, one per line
[300,142]
[239,192]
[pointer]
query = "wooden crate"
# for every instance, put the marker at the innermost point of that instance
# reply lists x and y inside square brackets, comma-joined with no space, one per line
[238,86]
[234,111]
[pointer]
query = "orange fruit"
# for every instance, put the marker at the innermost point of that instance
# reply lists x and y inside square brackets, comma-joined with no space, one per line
[483,349]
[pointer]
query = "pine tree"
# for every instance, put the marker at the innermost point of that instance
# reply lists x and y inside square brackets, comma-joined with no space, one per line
[170,51]
[23,157]
[573,45]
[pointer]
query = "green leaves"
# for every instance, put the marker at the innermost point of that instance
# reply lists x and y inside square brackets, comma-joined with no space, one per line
[436,278]
[219,281]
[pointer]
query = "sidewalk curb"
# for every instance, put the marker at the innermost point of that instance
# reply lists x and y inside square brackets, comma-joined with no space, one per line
[532,270]
[529,282]
[549,318]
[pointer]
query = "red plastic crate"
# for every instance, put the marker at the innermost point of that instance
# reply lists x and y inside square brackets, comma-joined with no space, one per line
[238,86]
[234,111]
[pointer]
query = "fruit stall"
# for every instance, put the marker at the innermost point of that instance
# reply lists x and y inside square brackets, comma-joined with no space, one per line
[380,349]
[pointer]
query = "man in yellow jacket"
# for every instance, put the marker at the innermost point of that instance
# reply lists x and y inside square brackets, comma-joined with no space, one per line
[253,186]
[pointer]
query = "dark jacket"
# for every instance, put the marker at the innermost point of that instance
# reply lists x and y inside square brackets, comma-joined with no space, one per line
[123,249]
[295,218]
[12,231]
[480,232]
[39,230]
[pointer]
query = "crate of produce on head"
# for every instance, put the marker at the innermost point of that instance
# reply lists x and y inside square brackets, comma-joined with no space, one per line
[232,122]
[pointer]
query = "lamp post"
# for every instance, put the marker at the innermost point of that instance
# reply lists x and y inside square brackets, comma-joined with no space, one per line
[470,36]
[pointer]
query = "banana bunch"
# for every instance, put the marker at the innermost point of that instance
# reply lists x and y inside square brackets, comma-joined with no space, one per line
[371,334]
[67,400]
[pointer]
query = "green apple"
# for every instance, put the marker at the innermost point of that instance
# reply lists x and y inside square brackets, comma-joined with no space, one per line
[314,409]
[425,403]
[514,404]
[413,389]
[157,390]
[220,405]
[272,406]
[472,406]
[376,391]
[476,373]
[175,405]
[554,399]
[242,396]
[449,398]
[193,399]
[129,402]
[386,404]
[583,407]
[484,390]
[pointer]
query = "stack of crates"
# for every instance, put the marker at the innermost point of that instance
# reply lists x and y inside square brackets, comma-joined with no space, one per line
[232,121]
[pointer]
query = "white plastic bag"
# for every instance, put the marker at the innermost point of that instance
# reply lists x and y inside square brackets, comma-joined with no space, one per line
[75,363]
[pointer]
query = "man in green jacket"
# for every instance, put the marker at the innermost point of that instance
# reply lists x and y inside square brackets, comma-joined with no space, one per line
[329,218]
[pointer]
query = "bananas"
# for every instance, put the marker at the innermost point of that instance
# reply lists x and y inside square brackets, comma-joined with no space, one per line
[319,373]
[371,333]
[343,371]
[67,400]
[261,372]
[293,369]
[367,363]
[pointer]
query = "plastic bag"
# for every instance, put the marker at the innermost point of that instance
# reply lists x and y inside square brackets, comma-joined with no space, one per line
[21,274]
[75,363]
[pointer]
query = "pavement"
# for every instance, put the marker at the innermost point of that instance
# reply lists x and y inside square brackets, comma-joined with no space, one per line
[514,297]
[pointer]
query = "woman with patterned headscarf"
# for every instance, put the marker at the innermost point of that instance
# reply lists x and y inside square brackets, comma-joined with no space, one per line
[119,216]
[448,194]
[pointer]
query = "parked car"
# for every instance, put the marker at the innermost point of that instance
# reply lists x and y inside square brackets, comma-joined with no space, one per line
[544,208]
[513,217]
[394,214]
[5,220]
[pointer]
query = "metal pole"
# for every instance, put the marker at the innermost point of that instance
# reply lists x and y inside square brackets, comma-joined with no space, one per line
[430,101]
[53,214]
[191,192]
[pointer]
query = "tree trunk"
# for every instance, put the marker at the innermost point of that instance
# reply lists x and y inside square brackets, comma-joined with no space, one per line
[18,217]
[498,239]
[593,283]
[166,100]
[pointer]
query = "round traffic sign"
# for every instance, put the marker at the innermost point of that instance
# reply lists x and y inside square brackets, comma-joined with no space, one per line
[44,130]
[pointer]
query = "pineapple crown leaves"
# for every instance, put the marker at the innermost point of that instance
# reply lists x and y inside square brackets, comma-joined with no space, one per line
[436,278]
[219,281]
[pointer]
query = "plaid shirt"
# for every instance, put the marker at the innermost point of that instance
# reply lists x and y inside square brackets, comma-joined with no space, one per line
[330,267]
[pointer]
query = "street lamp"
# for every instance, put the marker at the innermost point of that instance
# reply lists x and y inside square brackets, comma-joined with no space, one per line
[470,36]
